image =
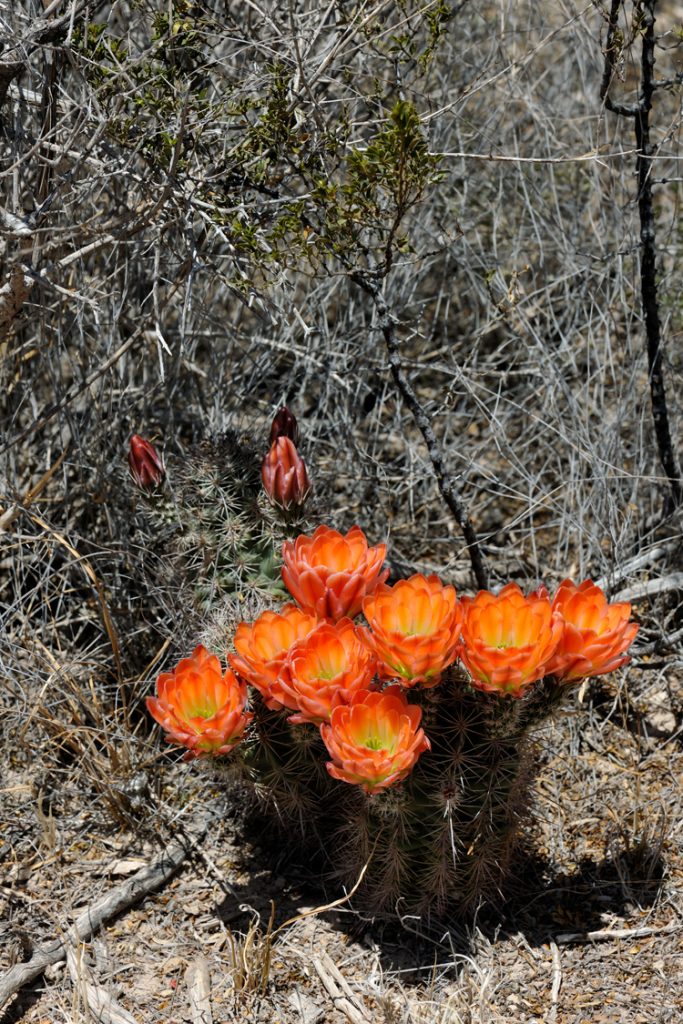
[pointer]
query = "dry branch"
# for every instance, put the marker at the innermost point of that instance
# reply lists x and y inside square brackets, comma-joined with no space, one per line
[198,981]
[640,113]
[608,934]
[339,991]
[102,1006]
[556,985]
[119,900]
[651,587]
[44,31]
[79,388]
[445,483]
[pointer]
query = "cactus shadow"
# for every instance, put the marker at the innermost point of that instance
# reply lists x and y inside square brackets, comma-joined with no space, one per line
[545,902]
[541,902]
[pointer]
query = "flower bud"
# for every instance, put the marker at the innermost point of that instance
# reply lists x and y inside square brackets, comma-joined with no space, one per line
[285,425]
[145,464]
[284,475]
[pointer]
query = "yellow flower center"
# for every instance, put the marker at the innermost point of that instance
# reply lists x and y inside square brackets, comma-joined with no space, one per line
[373,743]
[202,708]
[330,666]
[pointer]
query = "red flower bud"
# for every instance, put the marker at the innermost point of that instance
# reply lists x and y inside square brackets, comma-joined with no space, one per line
[145,464]
[285,425]
[284,475]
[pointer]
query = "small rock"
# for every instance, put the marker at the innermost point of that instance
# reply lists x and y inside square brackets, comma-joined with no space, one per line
[660,722]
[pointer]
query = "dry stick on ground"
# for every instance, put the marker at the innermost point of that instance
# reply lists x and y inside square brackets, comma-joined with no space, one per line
[445,482]
[640,112]
[101,1005]
[198,981]
[608,934]
[338,989]
[120,899]
[556,985]
[651,587]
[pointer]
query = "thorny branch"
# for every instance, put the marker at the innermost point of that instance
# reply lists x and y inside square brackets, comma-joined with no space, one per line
[44,31]
[640,112]
[444,481]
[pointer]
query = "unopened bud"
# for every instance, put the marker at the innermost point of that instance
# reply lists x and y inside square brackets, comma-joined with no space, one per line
[145,464]
[285,425]
[284,475]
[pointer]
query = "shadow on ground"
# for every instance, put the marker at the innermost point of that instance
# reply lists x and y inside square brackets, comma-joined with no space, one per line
[541,903]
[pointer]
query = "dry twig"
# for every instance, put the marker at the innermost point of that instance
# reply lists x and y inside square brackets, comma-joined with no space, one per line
[608,934]
[339,990]
[102,1006]
[198,981]
[119,900]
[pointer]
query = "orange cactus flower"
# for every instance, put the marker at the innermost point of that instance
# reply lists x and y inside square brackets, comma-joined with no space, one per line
[201,707]
[329,574]
[414,629]
[596,634]
[262,648]
[508,639]
[375,740]
[325,669]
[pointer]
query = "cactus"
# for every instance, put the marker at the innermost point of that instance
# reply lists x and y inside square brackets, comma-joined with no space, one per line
[227,542]
[445,838]
[442,839]
[424,796]
[218,534]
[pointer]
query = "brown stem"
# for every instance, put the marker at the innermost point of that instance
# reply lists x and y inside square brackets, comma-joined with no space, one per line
[444,481]
[640,112]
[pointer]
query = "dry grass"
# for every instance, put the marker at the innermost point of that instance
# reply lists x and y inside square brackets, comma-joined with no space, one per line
[518,315]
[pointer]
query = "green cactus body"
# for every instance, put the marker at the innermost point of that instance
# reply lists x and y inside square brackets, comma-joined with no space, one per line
[443,838]
[221,537]
[285,766]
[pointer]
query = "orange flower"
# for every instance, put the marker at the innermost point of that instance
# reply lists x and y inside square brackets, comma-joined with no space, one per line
[329,575]
[595,635]
[262,649]
[325,669]
[415,629]
[199,706]
[508,640]
[375,740]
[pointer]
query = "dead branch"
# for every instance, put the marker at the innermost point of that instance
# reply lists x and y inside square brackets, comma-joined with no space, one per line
[556,985]
[100,1003]
[79,388]
[674,581]
[339,990]
[640,112]
[444,481]
[608,934]
[44,31]
[118,901]
[198,981]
